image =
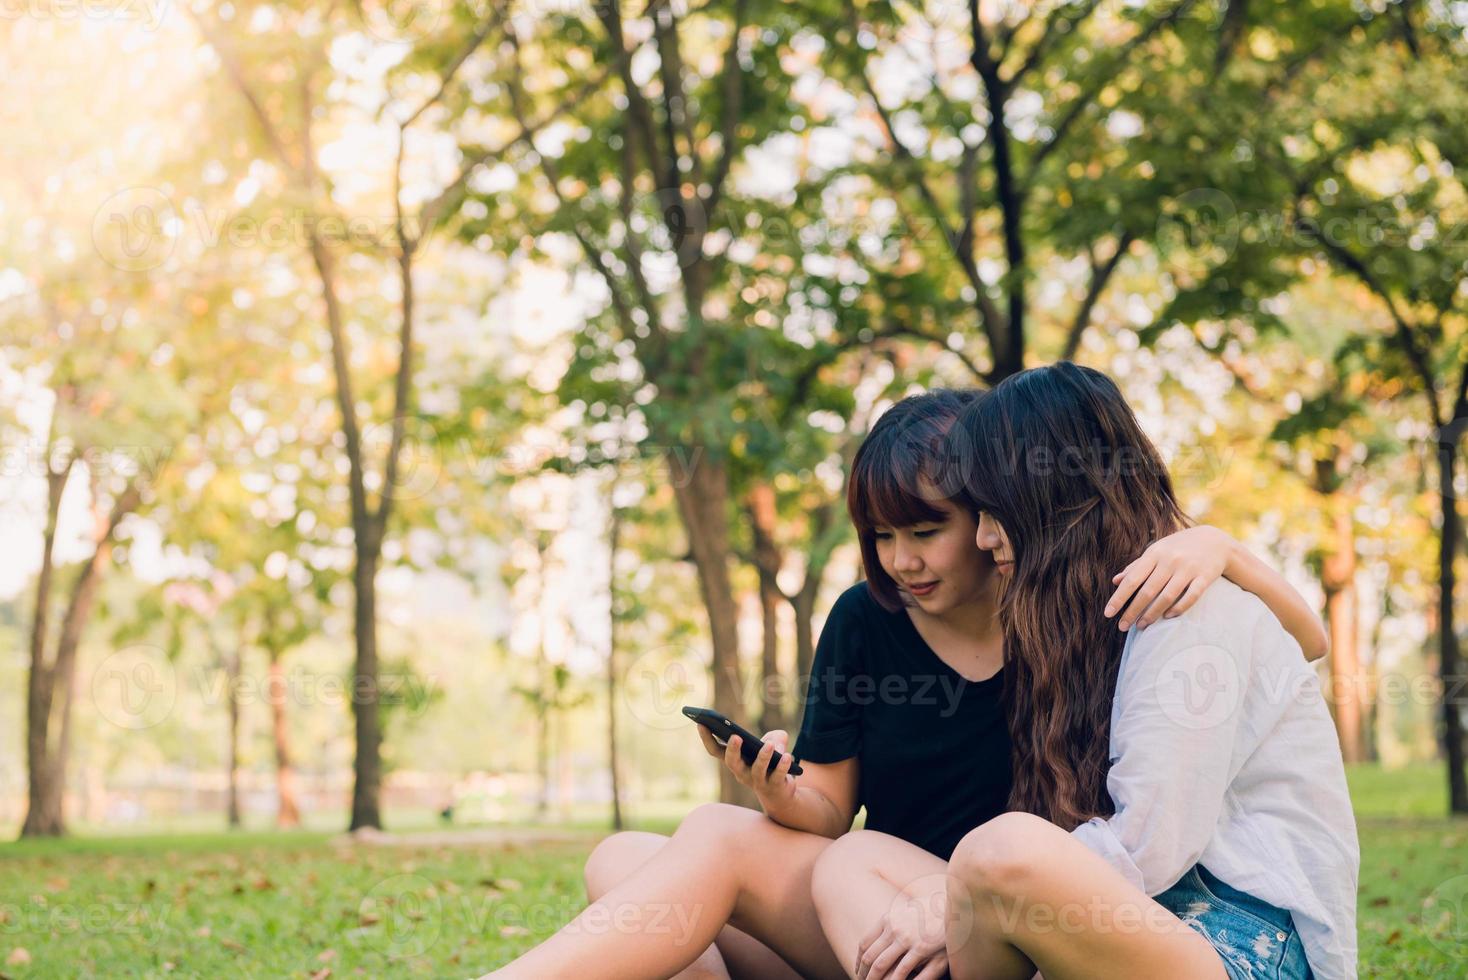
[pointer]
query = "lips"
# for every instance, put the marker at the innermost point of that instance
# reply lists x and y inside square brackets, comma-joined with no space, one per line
[924,589]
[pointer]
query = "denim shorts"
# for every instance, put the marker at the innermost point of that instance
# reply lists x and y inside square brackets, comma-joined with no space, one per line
[1256,940]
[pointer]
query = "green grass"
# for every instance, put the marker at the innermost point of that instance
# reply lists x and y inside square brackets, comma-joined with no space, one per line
[265,904]
[1412,914]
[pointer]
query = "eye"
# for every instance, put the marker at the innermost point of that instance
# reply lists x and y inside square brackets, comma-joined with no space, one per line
[925,534]
[882,535]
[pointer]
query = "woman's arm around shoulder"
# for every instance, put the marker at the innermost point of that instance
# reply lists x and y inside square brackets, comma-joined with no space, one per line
[1174,571]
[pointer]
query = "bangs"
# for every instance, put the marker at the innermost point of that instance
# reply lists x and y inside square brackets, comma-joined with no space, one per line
[886,492]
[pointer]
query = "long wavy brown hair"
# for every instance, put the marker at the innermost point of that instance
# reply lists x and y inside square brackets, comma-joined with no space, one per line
[1056,456]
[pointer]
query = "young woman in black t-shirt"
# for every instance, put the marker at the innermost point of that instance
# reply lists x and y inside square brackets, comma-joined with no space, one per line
[902,717]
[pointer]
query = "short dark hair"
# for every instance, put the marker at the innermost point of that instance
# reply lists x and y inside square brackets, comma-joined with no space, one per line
[907,445]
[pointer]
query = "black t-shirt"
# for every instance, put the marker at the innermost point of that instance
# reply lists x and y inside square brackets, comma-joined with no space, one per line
[933,747]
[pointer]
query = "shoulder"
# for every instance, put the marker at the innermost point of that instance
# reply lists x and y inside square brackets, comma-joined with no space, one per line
[854,618]
[1227,620]
[856,605]
[1223,605]
[1223,609]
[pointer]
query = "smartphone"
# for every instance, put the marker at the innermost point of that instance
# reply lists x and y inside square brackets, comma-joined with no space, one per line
[723,729]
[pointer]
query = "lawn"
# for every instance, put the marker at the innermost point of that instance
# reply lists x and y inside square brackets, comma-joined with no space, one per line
[307,905]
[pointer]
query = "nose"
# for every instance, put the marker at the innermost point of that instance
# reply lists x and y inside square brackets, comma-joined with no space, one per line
[987,536]
[905,557]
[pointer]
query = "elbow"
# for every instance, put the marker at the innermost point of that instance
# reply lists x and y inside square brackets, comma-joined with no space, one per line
[1318,643]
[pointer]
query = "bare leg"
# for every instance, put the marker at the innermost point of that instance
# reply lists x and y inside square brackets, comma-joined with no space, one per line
[735,955]
[1027,894]
[861,877]
[724,865]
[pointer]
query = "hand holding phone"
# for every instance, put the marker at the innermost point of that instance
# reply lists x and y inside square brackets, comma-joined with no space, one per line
[757,763]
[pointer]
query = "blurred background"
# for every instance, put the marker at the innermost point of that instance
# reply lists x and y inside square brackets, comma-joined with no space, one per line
[406,407]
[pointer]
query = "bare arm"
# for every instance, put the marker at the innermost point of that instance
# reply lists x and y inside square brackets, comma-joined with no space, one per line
[822,800]
[1251,573]
[1173,572]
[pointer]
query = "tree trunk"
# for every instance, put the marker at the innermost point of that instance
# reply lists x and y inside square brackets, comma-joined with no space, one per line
[804,606]
[701,486]
[288,811]
[1447,631]
[544,690]
[614,540]
[232,689]
[367,765]
[51,688]
[767,561]
[542,749]
[823,540]
[43,813]
[1338,578]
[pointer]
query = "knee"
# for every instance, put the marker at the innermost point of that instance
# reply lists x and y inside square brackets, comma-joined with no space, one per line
[831,875]
[614,858]
[1001,856]
[729,824]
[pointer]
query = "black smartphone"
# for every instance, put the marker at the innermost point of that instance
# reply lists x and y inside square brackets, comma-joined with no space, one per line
[723,729]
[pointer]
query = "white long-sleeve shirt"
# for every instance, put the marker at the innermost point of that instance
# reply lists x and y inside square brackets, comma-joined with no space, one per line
[1223,752]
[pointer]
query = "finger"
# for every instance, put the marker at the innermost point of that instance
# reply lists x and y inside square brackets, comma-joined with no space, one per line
[1185,602]
[774,783]
[934,968]
[870,951]
[904,968]
[783,769]
[871,936]
[1132,576]
[1155,583]
[883,964]
[735,761]
[777,737]
[761,766]
[1169,595]
[710,746]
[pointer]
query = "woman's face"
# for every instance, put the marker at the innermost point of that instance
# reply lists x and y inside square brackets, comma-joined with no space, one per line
[992,539]
[936,562]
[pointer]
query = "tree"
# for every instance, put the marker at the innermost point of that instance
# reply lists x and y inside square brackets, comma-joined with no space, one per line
[282,75]
[636,192]
[1031,143]
[1361,170]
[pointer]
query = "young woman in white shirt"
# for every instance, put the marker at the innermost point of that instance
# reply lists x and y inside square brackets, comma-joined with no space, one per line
[1179,806]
